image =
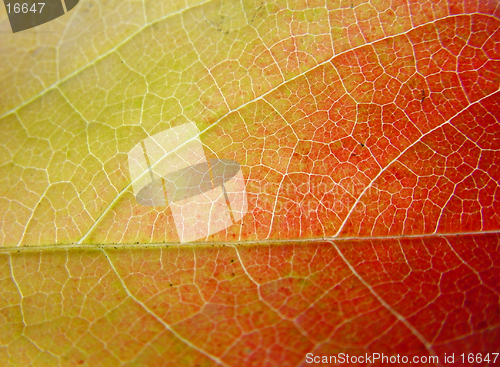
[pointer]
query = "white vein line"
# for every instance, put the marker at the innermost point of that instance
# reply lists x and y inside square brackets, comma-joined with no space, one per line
[18,289]
[278,312]
[161,321]
[399,156]
[43,350]
[32,213]
[284,175]
[400,317]
[477,273]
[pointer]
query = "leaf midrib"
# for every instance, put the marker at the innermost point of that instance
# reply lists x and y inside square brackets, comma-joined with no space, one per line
[263,242]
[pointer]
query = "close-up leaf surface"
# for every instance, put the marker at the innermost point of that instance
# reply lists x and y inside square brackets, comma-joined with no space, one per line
[368,136]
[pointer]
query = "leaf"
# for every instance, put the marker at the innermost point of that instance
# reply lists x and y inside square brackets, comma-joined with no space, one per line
[368,136]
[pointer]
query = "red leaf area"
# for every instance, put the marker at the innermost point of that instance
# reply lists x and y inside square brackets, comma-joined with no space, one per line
[397,137]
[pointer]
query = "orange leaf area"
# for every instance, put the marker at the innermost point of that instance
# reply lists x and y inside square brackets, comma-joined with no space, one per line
[252,305]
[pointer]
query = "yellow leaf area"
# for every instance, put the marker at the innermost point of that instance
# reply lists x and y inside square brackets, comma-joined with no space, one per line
[355,123]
